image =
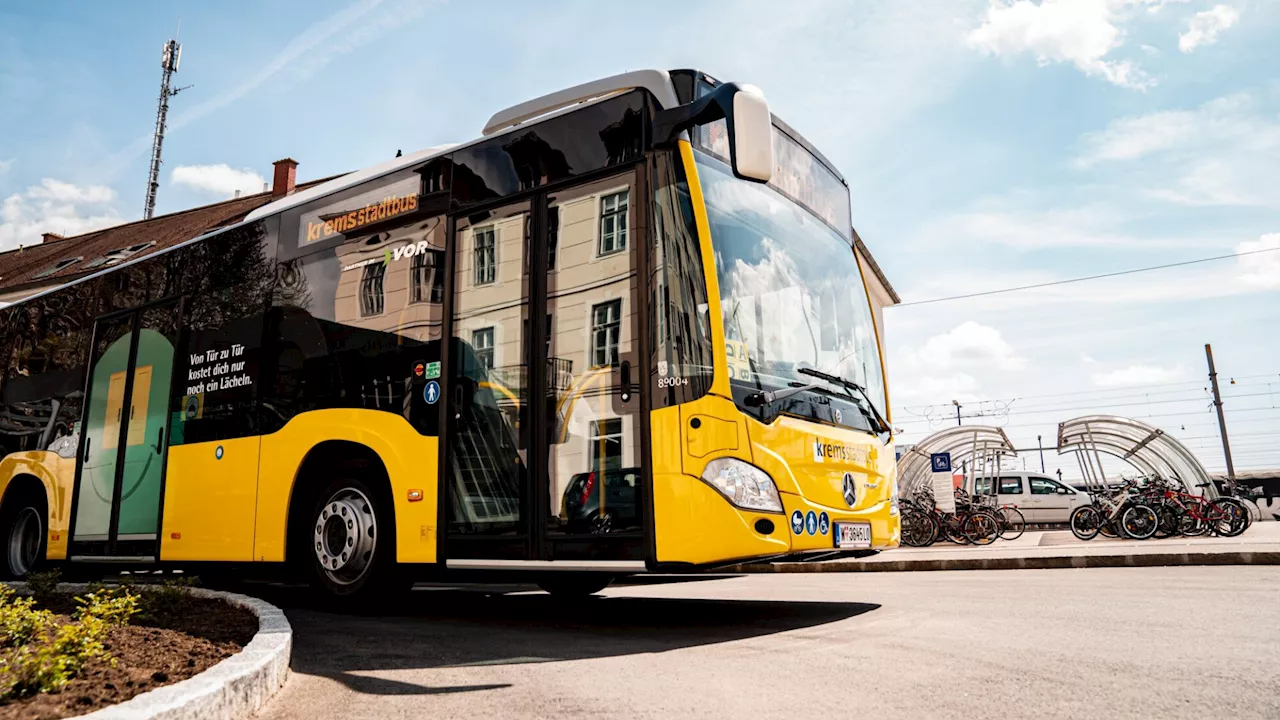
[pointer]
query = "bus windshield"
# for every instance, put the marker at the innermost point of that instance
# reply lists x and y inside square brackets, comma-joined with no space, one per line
[791,293]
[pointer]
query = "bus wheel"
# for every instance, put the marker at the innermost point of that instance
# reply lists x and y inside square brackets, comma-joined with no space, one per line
[574,585]
[352,541]
[23,523]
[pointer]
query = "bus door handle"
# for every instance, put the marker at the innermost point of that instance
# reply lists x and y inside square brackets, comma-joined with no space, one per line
[87,440]
[160,443]
[625,395]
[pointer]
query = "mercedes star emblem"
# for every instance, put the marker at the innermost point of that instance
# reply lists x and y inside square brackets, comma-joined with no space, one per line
[850,490]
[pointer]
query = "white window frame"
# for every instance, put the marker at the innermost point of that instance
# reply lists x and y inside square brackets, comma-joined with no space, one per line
[594,438]
[492,347]
[592,329]
[492,230]
[601,214]
[382,289]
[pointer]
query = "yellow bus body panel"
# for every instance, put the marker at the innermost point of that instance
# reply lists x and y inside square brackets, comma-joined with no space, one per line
[58,475]
[411,460]
[693,522]
[209,503]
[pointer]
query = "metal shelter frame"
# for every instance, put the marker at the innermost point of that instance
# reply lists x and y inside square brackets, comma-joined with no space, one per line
[1151,451]
[980,447]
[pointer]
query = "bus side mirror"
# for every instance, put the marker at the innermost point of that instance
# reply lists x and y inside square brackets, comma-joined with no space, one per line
[747,120]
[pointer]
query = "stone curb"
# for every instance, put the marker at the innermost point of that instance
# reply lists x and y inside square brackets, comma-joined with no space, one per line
[237,687]
[1023,563]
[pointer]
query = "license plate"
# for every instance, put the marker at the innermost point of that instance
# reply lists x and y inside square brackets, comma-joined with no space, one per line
[853,535]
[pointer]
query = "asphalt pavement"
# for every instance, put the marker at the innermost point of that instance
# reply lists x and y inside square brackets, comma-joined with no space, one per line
[1168,642]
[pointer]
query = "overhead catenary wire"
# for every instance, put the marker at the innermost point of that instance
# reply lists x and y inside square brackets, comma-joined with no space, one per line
[1087,277]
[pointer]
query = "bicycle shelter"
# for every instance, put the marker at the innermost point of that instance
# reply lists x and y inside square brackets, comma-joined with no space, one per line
[978,447]
[1150,450]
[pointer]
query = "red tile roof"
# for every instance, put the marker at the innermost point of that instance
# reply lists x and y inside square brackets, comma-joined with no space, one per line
[19,268]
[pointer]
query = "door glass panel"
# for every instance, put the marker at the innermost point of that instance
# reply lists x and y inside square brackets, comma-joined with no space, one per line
[593,461]
[144,450]
[487,393]
[103,421]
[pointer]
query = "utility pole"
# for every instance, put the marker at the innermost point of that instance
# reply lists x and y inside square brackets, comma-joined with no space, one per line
[168,61]
[1222,420]
[1040,445]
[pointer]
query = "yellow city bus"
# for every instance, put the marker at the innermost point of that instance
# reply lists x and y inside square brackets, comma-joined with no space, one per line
[624,331]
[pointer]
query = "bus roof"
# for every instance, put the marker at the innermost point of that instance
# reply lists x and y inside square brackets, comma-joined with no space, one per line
[657,82]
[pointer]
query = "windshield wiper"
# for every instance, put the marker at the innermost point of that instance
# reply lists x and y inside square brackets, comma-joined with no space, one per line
[769,397]
[882,426]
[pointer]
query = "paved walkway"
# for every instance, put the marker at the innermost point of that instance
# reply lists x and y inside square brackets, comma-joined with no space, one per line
[1106,643]
[1260,544]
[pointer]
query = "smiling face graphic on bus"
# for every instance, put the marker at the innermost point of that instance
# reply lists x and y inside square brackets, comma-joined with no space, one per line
[132,409]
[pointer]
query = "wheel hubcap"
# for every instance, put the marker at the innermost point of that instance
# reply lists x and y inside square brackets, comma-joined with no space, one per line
[24,541]
[345,536]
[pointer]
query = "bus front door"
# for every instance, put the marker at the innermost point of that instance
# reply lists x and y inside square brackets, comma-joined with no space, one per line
[123,440]
[545,385]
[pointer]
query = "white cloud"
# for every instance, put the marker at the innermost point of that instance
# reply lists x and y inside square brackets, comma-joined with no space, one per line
[6,165]
[221,179]
[1139,375]
[1205,27]
[1222,153]
[1080,32]
[1087,359]
[55,206]
[961,387]
[1091,225]
[1263,269]
[969,344]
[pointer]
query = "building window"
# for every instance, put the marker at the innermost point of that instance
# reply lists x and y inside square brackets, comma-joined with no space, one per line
[485,256]
[371,297]
[482,344]
[606,331]
[613,223]
[426,281]
[606,444]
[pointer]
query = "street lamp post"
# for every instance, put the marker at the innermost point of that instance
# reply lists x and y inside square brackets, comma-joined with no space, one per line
[958,406]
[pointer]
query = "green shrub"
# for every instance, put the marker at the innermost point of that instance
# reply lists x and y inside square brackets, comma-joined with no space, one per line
[165,602]
[19,620]
[44,585]
[54,654]
[115,608]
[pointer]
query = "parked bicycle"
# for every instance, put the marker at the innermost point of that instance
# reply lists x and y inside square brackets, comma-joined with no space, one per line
[1122,513]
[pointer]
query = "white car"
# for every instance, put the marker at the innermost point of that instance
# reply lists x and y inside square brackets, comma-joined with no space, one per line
[1041,499]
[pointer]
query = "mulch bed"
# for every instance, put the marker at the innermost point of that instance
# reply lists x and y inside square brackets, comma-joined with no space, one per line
[195,636]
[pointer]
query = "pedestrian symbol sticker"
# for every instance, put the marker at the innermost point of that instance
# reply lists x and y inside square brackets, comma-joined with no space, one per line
[797,522]
[824,524]
[811,523]
[431,393]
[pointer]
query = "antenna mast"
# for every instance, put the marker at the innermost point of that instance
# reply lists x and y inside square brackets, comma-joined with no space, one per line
[168,61]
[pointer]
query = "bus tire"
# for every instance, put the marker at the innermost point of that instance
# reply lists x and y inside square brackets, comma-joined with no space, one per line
[22,524]
[574,585]
[352,551]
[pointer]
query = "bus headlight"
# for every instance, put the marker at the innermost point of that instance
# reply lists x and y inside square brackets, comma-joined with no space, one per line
[743,484]
[893,497]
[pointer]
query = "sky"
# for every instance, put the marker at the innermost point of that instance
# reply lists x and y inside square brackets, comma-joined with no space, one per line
[987,145]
